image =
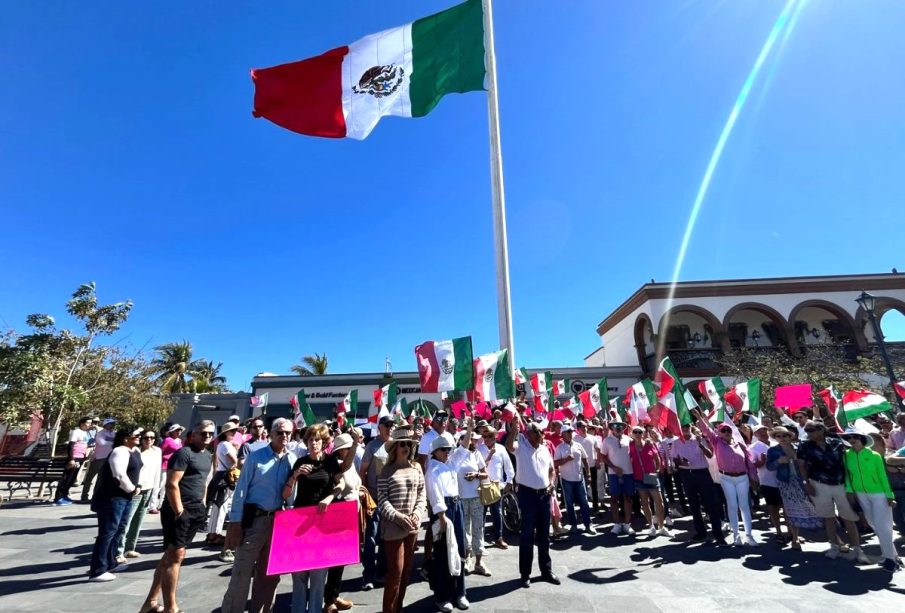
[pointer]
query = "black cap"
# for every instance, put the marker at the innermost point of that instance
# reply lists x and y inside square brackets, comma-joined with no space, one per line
[441,411]
[386,420]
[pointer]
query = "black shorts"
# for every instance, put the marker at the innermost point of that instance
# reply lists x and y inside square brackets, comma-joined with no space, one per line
[179,532]
[771,495]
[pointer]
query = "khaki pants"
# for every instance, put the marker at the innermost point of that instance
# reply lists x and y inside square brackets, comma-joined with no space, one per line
[251,561]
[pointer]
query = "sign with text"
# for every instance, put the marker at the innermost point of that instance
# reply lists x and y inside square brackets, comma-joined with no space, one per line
[304,539]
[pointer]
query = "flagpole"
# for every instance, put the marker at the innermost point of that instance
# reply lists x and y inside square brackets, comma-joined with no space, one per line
[500,242]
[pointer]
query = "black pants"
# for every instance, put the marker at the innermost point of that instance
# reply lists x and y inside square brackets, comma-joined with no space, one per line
[535,508]
[68,480]
[334,582]
[673,491]
[447,588]
[701,492]
[595,498]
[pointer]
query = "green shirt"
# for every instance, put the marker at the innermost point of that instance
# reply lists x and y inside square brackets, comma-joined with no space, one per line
[865,473]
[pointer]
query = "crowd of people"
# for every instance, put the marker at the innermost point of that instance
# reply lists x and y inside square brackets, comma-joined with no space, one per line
[445,478]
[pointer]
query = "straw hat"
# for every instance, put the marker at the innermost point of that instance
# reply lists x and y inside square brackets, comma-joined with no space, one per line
[401,433]
[343,441]
[228,427]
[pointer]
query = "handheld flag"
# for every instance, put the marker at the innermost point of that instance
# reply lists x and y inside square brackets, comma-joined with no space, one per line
[833,401]
[445,366]
[302,415]
[670,410]
[492,378]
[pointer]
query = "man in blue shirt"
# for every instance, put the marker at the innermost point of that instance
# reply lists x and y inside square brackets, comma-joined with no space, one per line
[257,498]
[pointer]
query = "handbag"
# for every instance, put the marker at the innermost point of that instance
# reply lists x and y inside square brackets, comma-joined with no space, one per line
[489,492]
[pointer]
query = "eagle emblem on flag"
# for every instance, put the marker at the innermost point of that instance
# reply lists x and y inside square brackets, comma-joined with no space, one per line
[446,366]
[380,81]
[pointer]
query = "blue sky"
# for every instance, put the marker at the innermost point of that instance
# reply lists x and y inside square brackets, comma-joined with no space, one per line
[129,156]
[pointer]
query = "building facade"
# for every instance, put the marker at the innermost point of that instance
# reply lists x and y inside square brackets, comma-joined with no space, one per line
[697,321]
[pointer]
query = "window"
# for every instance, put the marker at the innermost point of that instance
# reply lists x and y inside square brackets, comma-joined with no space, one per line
[738,334]
[677,337]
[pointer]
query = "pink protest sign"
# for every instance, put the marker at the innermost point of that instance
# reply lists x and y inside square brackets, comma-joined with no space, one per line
[794,397]
[304,539]
[458,408]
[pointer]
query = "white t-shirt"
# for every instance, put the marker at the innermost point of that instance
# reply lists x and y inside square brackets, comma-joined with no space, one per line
[617,452]
[103,444]
[532,466]
[80,438]
[570,471]
[589,443]
[424,447]
[225,449]
[766,477]
[464,462]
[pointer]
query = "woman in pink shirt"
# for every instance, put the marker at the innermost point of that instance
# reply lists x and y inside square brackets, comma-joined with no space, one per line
[170,444]
[645,470]
[737,472]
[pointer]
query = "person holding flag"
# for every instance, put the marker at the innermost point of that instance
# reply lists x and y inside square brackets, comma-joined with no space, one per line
[737,473]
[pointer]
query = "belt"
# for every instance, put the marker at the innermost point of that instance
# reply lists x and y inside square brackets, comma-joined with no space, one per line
[541,492]
[452,499]
[259,512]
[691,470]
[722,472]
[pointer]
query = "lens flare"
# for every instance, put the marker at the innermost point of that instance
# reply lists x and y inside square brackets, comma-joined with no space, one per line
[777,31]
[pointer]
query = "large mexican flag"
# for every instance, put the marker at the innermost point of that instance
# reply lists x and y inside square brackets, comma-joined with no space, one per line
[863,403]
[745,396]
[713,390]
[670,410]
[403,71]
[594,399]
[492,378]
[445,366]
[641,397]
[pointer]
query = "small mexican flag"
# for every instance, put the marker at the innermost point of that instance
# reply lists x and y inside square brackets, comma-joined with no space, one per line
[259,403]
[403,71]
[493,380]
[349,404]
[670,410]
[617,409]
[561,387]
[302,415]
[863,403]
[521,378]
[541,382]
[745,396]
[594,399]
[384,398]
[713,390]
[444,366]
[833,401]
[641,397]
[900,388]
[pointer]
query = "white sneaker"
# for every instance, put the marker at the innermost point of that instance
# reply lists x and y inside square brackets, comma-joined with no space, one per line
[445,607]
[617,529]
[102,578]
[462,603]
[480,569]
[627,529]
[664,531]
[858,556]
[726,527]
[737,541]
[832,553]
[652,533]
[749,540]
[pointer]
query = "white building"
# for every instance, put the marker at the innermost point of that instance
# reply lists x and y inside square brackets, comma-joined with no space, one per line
[702,319]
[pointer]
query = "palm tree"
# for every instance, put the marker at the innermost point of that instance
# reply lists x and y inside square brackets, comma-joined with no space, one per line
[313,365]
[206,377]
[171,366]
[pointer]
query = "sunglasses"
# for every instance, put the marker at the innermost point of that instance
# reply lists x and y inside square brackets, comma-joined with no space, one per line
[206,433]
[781,436]
[725,430]
[488,436]
[441,418]
[404,444]
[149,438]
[617,427]
[283,432]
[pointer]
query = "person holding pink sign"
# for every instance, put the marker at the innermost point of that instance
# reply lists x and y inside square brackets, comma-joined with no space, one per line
[401,504]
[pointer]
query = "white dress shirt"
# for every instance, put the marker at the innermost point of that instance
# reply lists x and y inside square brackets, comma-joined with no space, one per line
[465,462]
[499,468]
[532,466]
[589,444]
[440,481]
[570,471]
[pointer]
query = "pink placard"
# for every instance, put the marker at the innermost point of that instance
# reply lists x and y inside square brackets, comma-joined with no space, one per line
[304,539]
[794,397]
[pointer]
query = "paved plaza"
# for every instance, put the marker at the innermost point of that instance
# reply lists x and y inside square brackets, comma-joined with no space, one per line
[44,552]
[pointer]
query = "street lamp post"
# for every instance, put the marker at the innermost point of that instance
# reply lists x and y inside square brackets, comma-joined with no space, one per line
[868,303]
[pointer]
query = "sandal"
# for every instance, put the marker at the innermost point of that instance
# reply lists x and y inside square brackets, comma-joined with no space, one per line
[152,607]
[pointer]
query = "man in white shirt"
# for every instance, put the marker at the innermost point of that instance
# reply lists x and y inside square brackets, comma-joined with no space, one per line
[614,453]
[769,486]
[572,461]
[534,478]
[585,437]
[499,471]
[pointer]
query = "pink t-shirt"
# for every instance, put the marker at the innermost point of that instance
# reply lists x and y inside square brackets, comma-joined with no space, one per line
[168,447]
[643,459]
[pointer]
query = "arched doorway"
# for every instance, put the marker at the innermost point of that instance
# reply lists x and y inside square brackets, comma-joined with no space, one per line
[692,337]
[754,325]
[818,322]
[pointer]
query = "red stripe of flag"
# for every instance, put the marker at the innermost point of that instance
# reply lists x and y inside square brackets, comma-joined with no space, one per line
[428,367]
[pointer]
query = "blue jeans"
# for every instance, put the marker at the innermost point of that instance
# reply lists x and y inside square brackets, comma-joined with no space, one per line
[373,559]
[496,520]
[573,491]
[111,524]
[308,590]
[535,508]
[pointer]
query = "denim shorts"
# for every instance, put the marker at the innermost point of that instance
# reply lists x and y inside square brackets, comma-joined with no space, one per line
[621,486]
[643,487]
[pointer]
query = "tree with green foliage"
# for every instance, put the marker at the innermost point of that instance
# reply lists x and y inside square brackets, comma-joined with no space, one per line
[206,378]
[311,365]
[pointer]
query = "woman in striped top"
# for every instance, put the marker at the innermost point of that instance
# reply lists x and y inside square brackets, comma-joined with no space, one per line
[402,504]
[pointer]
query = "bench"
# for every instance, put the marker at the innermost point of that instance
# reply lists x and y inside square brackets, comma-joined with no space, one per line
[23,472]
